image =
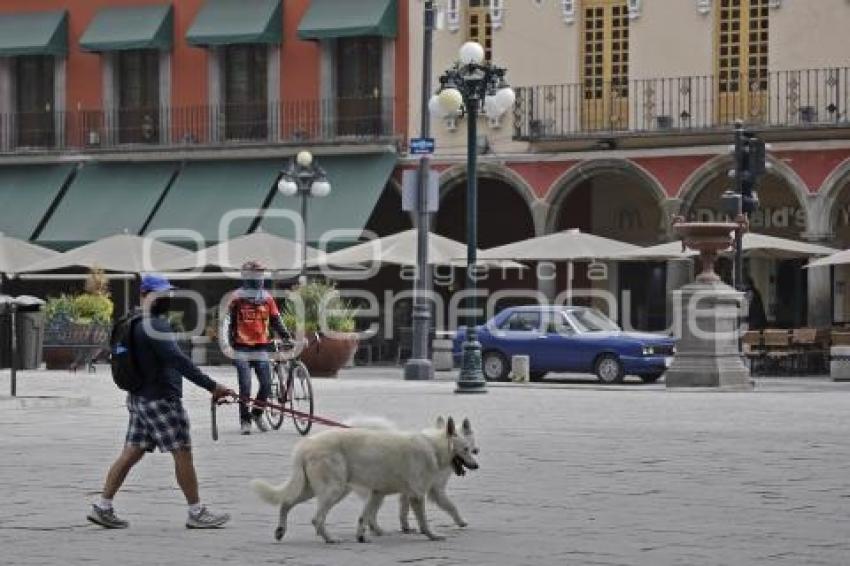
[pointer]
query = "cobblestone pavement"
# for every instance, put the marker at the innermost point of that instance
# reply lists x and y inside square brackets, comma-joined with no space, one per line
[572,473]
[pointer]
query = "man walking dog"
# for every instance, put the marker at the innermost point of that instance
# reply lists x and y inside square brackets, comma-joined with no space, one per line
[157,417]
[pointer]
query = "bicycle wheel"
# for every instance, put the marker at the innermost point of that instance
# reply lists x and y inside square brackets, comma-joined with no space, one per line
[274,416]
[300,396]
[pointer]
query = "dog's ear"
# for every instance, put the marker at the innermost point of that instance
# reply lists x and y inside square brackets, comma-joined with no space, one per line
[441,423]
[466,427]
[450,427]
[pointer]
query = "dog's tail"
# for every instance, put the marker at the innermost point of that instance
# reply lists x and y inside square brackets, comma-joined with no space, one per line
[276,495]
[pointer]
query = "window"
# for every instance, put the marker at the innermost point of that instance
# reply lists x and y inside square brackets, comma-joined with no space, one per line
[246,92]
[359,74]
[34,96]
[522,322]
[742,58]
[138,96]
[605,64]
[591,320]
[479,26]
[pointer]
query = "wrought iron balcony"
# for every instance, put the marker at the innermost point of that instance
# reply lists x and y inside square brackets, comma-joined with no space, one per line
[789,100]
[335,121]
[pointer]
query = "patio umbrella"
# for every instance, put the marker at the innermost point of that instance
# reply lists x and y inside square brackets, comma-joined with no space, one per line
[568,245]
[400,249]
[274,252]
[16,254]
[123,253]
[753,244]
[838,258]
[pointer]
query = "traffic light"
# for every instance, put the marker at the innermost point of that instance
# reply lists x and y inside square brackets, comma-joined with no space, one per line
[750,164]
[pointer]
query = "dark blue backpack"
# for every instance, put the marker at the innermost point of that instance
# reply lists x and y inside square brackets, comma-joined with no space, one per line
[125,371]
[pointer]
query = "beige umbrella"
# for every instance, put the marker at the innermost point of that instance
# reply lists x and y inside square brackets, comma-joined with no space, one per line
[123,253]
[838,258]
[16,254]
[274,252]
[569,245]
[753,244]
[400,249]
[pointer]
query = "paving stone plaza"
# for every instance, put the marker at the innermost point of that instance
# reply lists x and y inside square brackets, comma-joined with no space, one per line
[571,473]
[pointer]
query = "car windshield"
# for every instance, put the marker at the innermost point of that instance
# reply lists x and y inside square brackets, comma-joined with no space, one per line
[591,320]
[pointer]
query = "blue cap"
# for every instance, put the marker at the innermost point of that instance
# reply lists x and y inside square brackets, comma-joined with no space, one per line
[154,283]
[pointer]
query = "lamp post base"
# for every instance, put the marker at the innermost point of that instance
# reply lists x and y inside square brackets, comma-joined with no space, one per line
[471,378]
[418,369]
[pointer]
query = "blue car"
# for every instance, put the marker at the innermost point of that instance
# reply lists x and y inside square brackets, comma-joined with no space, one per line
[568,339]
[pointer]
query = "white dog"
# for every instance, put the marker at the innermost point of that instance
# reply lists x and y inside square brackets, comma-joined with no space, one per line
[437,494]
[380,462]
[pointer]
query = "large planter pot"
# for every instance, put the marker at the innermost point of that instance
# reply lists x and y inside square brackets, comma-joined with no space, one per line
[326,356]
[59,357]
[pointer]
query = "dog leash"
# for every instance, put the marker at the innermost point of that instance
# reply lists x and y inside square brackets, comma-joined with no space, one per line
[238,399]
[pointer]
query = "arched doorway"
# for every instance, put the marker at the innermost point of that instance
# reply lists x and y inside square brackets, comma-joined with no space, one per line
[616,200]
[839,227]
[782,284]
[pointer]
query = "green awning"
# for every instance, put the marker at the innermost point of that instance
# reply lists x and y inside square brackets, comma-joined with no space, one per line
[357,182]
[136,27]
[34,33]
[26,194]
[225,22]
[106,199]
[327,19]
[205,192]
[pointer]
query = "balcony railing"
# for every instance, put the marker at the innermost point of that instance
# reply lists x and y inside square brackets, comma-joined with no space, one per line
[783,99]
[293,122]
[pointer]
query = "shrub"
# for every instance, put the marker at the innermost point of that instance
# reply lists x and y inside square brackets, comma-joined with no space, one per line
[317,296]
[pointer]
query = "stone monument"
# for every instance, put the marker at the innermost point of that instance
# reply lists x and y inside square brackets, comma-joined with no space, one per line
[706,314]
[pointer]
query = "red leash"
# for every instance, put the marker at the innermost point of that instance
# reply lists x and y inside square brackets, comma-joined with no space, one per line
[267,404]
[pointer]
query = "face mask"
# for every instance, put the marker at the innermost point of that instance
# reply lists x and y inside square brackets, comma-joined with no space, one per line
[254,284]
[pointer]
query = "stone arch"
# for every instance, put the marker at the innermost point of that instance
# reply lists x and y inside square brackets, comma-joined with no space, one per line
[567,184]
[519,194]
[719,166]
[824,212]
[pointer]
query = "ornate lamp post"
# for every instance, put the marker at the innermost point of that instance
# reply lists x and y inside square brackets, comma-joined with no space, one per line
[470,85]
[304,176]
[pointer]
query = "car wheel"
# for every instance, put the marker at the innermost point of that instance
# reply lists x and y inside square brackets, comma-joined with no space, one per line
[651,378]
[495,366]
[609,369]
[537,375]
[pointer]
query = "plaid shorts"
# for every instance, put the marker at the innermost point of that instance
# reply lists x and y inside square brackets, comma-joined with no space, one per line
[157,423]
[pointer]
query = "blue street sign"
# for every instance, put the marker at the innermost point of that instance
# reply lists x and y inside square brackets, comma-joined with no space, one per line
[419,146]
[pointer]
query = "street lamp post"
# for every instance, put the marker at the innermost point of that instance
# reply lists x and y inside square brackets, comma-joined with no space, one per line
[303,176]
[470,85]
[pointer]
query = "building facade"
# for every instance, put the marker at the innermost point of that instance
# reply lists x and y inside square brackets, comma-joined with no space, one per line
[624,116]
[158,117]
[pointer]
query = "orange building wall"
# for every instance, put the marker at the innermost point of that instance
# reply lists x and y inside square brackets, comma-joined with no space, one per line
[299,59]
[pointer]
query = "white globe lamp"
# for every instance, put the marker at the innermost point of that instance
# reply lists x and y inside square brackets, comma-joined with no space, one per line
[505,99]
[471,53]
[320,188]
[435,108]
[287,187]
[450,101]
[304,158]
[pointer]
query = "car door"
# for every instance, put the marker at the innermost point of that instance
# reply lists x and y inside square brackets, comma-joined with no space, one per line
[558,349]
[519,335]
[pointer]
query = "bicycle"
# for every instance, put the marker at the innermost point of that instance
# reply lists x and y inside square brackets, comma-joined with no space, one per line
[291,389]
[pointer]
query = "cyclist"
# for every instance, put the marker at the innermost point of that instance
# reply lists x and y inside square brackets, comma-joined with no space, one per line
[251,317]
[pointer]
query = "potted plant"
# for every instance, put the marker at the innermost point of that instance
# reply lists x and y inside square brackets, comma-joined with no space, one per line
[326,314]
[77,325]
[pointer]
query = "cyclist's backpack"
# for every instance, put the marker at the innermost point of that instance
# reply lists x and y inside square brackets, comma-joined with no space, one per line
[125,371]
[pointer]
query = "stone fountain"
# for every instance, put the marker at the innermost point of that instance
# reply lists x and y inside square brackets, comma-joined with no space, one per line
[707,313]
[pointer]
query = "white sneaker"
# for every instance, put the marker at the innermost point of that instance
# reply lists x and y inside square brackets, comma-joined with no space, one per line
[204,519]
[246,427]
